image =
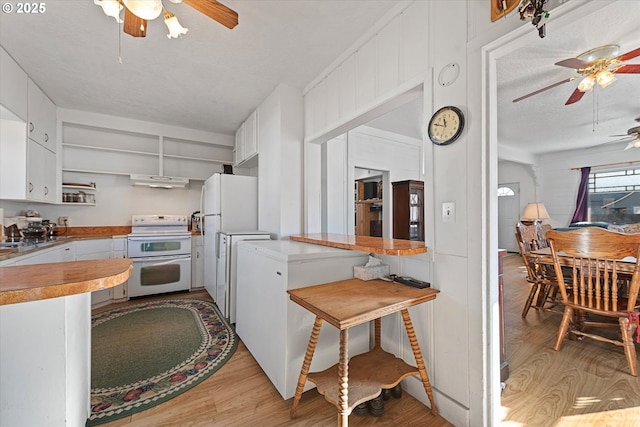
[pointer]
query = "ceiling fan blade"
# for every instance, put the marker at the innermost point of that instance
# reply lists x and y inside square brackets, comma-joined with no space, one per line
[574,63]
[543,89]
[629,55]
[133,25]
[629,69]
[575,97]
[216,11]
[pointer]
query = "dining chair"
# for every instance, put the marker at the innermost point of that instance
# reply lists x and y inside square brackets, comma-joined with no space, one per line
[530,237]
[605,272]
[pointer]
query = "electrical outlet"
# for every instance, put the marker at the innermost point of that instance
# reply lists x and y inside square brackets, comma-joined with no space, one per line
[63,221]
[449,212]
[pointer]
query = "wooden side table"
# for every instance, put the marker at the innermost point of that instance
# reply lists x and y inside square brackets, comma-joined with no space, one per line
[348,303]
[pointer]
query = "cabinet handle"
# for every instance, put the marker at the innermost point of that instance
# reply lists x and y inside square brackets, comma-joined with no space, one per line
[46,137]
[46,190]
[31,127]
[30,187]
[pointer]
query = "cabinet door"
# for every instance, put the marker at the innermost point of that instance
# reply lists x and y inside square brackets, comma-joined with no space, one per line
[238,154]
[42,117]
[13,86]
[250,136]
[41,173]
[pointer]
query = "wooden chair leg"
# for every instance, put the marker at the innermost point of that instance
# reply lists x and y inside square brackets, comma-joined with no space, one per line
[529,301]
[564,327]
[627,341]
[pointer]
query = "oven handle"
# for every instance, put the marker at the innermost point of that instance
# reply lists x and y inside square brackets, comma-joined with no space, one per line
[168,258]
[158,238]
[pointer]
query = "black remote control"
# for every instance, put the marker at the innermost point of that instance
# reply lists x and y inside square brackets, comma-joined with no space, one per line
[412,282]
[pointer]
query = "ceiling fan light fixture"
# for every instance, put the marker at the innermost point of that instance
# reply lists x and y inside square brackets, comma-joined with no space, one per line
[175,29]
[110,8]
[605,78]
[144,9]
[587,83]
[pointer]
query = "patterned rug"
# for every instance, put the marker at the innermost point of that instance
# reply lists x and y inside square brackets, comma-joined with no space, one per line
[151,352]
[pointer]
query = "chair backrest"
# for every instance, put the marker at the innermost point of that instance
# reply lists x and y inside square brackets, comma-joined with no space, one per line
[601,282]
[530,238]
[531,234]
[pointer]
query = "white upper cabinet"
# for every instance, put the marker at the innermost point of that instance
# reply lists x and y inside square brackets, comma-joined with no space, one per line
[13,86]
[27,137]
[42,117]
[238,152]
[246,148]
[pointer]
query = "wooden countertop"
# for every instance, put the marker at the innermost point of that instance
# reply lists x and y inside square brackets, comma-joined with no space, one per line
[42,281]
[377,245]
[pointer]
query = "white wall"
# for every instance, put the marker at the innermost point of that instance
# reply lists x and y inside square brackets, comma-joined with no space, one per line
[116,201]
[560,181]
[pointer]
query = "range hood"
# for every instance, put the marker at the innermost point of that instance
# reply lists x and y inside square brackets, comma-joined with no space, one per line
[156,181]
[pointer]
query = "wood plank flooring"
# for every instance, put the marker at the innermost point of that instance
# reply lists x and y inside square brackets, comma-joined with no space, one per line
[240,394]
[585,384]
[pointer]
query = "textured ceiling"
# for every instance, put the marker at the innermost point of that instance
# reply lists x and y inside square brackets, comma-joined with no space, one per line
[543,123]
[210,79]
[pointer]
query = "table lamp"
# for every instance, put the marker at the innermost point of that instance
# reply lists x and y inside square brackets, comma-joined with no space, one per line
[535,212]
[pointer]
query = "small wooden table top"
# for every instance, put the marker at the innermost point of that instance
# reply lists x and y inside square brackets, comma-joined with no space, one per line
[350,302]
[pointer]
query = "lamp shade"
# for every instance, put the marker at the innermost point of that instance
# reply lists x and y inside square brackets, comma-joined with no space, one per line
[535,212]
[587,83]
[145,9]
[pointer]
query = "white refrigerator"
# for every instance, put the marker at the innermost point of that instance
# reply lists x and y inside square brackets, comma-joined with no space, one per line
[229,203]
[227,268]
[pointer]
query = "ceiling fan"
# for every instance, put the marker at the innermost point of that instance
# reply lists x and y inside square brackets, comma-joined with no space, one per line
[596,66]
[138,12]
[632,137]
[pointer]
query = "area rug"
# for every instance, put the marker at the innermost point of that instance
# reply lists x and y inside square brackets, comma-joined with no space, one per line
[148,353]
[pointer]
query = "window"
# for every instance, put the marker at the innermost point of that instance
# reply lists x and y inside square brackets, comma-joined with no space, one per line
[614,197]
[505,191]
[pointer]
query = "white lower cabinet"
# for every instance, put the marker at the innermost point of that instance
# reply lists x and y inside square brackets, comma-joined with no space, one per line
[59,253]
[274,329]
[103,249]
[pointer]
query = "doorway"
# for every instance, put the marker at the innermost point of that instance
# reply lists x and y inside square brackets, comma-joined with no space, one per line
[508,215]
[369,202]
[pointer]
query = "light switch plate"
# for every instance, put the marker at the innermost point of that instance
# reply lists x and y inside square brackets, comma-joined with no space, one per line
[449,212]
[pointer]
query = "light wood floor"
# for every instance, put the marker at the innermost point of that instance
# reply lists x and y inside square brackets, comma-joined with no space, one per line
[586,384]
[240,394]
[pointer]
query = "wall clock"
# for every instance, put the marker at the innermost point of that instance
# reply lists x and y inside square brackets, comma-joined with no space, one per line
[446,125]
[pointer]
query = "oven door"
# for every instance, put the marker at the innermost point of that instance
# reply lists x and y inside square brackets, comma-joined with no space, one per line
[156,275]
[154,246]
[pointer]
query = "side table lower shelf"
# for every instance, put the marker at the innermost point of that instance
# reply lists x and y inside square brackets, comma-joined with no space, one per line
[369,373]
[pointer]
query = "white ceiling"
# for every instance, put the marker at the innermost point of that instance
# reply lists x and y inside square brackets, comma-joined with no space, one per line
[213,78]
[543,123]
[210,79]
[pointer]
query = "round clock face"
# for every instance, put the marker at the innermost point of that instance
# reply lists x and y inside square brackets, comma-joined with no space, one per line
[446,125]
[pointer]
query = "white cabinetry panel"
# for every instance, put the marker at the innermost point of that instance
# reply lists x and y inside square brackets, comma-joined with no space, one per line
[42,117]
[13,86]
[246,141]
